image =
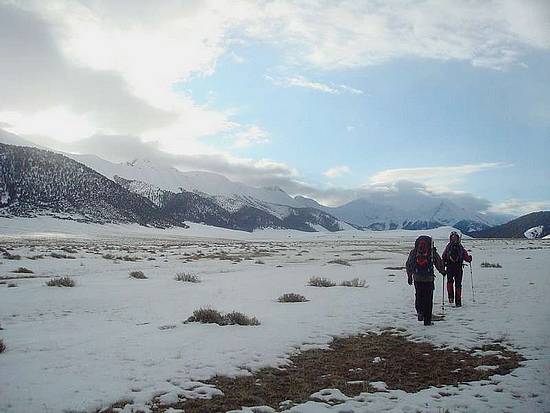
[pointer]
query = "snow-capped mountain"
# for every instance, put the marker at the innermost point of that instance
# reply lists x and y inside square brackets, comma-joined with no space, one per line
[375,210]
[171,179]
[413,211]
[37,182]
[199,207]
[380,212]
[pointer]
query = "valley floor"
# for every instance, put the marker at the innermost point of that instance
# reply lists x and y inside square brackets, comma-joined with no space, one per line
[115,338]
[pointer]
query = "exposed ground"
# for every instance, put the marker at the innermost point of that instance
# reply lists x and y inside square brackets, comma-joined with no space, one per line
[350,365]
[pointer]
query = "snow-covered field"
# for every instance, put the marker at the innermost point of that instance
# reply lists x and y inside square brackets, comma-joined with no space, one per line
[113,338]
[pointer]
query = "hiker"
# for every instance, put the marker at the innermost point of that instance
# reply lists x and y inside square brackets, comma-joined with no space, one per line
[420,269]
[453,257]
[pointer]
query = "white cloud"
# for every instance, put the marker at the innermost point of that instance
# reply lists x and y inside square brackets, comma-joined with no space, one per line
[252,135]
[351,90]
[73,68]
[300,81]
[56,121]
[337,171]
[437,178]
[349,34]
[112,66]
[519,207]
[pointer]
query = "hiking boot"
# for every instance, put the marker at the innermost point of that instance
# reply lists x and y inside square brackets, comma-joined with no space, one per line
[459,297]
[451,292]
[428,323]
[420,317]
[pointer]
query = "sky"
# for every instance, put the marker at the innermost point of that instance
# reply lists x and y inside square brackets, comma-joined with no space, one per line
[327,99]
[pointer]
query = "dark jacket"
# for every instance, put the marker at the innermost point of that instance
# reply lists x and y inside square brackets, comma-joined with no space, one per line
[411,266]
[455,267]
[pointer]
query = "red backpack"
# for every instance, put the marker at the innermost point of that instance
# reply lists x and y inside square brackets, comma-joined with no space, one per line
[423,248]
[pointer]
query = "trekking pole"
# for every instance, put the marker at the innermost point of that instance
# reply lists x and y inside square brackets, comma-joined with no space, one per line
[443,294]
[472,283]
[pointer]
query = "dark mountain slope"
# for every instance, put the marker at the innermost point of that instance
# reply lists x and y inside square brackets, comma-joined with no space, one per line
[517,227]
[35,181]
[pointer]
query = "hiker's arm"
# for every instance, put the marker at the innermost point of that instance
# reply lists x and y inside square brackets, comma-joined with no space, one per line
[445,256]
[409,267]
[465,256]
[438,262]
[409,264]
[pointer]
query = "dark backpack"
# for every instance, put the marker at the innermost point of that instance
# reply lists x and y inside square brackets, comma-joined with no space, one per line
[455,253]
[423,251]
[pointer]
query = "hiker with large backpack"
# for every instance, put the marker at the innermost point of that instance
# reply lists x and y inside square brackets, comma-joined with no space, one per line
[420,269]
[453,258]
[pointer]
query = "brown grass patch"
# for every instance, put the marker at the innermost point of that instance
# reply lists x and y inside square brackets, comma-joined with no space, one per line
[61,282]
[340,261]
[321,282]
[138,275]
[62,256]
[292,298]
[187,277]
[349,366]
[9,256]
[212,316]
[356,282]
[22,270]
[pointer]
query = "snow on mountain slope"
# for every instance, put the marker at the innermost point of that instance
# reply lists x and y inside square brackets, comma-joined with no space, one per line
[13,139]
[38,182]
[534,233]
[407,208]
[379,211]
[408,211]
[241,213]
[171,179]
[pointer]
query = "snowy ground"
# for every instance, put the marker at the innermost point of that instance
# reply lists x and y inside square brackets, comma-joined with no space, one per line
[114,338]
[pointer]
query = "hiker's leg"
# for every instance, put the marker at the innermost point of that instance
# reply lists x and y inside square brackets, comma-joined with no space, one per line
[450,288]
[429,296]
[417,300]
[458,279]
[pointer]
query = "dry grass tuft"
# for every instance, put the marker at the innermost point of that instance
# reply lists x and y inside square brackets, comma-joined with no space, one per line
[320,282]
[22,270]
[292,298]
[138,275]
[2,346]
[340,261]
[212,316]
[240,319]
[62,256]
[69,250]
[490,265]
[35,257]
[61,282]
[9,256]
[356,282]
[207,316]
[187,277]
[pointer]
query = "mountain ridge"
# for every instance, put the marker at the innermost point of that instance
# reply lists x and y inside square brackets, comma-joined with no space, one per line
[518,227]
[374,211]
